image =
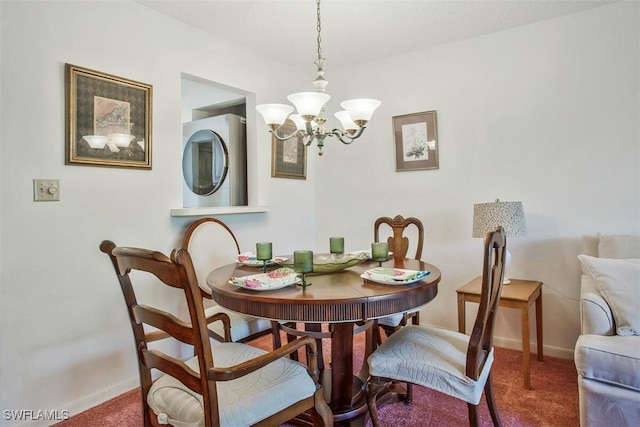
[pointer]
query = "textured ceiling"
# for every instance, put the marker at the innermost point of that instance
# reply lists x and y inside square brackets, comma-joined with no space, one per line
[357,31]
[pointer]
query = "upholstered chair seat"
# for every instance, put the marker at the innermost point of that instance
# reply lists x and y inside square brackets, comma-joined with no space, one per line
[242,326]
[242,401]
[430,357]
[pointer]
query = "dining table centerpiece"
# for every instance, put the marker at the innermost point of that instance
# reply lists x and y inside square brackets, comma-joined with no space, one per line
[332,262]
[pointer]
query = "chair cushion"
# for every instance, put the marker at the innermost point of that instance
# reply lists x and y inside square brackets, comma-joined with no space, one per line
[431,357]
[242,326]
[395,319]
[614,360]
[241,402]
[618,281]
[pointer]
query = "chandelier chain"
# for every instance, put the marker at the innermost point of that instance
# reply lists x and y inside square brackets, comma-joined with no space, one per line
[319,29]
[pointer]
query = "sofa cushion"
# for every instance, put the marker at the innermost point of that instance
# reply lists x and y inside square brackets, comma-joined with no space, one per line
[614,360]
[618,280]
[595,313]
[618,246]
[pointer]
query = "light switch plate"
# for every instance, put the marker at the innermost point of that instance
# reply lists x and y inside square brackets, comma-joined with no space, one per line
[46,190]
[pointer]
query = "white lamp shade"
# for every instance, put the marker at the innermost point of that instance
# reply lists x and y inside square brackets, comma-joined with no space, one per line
[488,216]
[345,119]
[308,103]
[274,113]
[360,109]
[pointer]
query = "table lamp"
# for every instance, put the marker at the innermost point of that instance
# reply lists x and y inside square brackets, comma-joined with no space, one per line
[510,215]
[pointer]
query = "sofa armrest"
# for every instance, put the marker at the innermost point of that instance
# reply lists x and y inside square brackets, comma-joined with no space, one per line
[595,314]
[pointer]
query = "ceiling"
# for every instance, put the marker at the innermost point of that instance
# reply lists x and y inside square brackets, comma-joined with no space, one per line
[358,31]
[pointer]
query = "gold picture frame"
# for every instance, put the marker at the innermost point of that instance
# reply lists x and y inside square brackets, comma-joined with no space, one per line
[108,119]
[289,157]
[416,141]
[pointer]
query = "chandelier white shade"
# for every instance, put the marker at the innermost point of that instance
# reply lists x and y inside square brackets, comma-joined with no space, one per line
[274,114]
[309,103]
[360,109]
[346,121]
[309,107]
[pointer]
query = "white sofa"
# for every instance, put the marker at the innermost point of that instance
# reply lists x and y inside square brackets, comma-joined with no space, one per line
[607,353]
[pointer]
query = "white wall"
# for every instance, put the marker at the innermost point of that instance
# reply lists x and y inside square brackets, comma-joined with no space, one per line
[556,103]
[65,341]
[547,114]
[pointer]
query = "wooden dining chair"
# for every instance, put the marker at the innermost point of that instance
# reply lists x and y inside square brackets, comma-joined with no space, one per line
[399,246]
[448,361]
[225,384]
[212,244]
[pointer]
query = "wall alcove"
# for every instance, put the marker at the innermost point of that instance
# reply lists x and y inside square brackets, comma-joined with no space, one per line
[216,145]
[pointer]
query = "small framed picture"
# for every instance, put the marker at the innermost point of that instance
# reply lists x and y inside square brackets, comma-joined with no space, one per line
[416,141]
[108,120]
[288,157]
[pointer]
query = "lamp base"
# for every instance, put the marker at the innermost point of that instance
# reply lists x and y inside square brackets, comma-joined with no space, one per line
[507,261]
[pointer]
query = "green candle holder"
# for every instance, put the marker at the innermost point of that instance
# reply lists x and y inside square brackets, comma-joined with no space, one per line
[264,253]
[303,264]
[336,245]
[380,252]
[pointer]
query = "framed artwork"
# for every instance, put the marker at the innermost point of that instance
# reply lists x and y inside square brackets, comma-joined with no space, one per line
[416,141]
[289,157]
[108,120]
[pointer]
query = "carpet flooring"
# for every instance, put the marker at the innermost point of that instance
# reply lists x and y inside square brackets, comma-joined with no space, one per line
[552,400]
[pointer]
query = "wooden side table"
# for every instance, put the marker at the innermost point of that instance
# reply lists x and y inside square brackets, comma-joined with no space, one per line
[518,294]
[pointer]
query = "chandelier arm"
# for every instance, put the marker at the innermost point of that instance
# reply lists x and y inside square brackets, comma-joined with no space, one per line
[310,139]
[342,135]
[284,138]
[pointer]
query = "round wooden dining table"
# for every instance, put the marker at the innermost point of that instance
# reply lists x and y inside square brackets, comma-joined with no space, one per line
[341,299]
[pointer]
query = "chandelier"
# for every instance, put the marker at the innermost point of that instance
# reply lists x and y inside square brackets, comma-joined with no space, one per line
[310,119]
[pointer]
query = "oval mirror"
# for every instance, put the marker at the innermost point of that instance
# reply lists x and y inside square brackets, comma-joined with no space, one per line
[204,162]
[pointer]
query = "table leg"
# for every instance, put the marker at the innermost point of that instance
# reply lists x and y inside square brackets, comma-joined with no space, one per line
[539,326]
[341,366]
[526,346]
[461,313]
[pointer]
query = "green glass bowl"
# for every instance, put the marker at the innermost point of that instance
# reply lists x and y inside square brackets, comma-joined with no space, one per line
[331,263]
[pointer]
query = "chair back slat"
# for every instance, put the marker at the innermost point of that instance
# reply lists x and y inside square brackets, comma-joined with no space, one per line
[399,244]
[152,262]
[481,340]
[164,321]
[174,367]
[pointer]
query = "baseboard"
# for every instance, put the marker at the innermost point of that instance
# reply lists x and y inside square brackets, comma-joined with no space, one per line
[87,402]
[562,353]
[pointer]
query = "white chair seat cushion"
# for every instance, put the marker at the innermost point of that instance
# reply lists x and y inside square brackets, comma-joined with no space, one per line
[394,320]
[241,402]
[431,357]
[242,325]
